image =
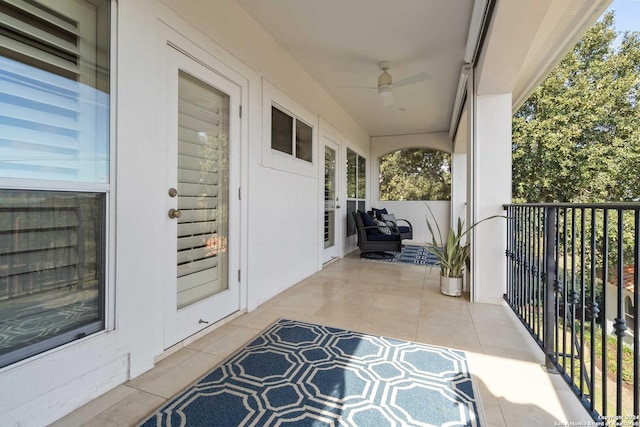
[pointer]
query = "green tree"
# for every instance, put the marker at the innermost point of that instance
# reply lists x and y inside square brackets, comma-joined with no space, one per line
[415,174]
[577,137]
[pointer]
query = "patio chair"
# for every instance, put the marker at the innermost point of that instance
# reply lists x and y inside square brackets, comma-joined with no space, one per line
[404,228]
[370,237]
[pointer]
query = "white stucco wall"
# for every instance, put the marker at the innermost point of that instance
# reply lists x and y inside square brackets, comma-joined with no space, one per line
[280,211]
[416,212]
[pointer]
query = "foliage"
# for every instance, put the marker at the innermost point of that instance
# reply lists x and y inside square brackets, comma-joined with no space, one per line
[577,138]
[454,255]
[415,174]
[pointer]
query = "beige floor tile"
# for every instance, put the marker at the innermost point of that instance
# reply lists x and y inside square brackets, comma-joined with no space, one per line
[128,412]
[447,310]
[392,300]
[458,343]
[432,324]
[271,315]
[491,410]
[161,368]
[354,296]
[179,377]
[364,286]
[299,303]
[248,317]
[528,353]
[507,335]
[490,312]
[230,342]
[398,302]
[341,315]
[94,408]
[413,292]
[321,290]
[204,342]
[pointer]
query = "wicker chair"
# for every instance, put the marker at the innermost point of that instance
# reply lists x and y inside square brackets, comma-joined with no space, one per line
[370,239]
[404,226]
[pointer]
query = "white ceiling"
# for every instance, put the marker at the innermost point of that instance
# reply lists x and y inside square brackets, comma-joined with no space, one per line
[341,42]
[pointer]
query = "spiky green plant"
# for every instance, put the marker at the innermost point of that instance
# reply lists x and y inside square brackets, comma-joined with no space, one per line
[454,255]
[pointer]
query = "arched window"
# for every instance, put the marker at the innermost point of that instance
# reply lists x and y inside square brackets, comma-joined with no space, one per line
[415,174]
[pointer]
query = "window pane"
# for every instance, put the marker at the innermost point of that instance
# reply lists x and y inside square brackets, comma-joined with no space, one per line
[362,178]
[281,131]
[54,90]
[351,223]
[351,174]
[303,141]
[51,270]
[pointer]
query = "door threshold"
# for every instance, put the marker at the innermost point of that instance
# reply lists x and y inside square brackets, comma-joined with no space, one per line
[188,340]
[332,260]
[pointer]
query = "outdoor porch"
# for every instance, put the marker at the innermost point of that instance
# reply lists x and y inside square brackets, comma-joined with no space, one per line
[394,300]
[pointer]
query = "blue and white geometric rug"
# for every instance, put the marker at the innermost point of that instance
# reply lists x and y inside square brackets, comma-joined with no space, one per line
[301,374]
[411,254]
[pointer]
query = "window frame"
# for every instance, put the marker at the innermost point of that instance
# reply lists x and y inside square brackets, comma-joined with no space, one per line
[360,202]
[275,159]
[107,227]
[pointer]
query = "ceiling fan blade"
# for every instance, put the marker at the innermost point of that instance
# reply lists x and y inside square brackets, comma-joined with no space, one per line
[358,87]
[421,77]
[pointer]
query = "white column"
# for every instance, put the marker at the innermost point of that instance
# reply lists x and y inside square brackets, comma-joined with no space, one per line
[459,193]
[458,187]
[491,188]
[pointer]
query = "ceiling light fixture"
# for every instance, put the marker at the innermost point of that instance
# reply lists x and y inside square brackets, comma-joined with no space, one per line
[384,91]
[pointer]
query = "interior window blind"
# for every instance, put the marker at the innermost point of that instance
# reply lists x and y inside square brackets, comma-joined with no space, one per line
[203,170]
[53,120]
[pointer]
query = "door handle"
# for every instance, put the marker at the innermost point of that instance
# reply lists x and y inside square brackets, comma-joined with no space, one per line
[174,213]
[338,207]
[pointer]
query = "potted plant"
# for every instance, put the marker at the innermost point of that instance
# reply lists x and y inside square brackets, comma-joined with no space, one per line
[453,254]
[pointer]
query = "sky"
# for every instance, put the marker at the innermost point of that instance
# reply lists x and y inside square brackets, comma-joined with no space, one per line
[627,14]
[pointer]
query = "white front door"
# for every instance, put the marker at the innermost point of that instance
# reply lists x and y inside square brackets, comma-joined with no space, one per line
[331,200]
[202,233]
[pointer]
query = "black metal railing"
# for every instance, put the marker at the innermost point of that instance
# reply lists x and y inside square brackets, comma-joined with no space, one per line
[572,279]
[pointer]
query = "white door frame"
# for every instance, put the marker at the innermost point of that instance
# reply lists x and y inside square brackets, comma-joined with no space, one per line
[182,323]
[331,137]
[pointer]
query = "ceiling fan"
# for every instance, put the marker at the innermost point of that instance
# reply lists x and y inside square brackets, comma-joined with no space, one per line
[385,83]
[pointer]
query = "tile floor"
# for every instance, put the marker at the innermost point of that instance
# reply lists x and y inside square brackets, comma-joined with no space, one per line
[401,301]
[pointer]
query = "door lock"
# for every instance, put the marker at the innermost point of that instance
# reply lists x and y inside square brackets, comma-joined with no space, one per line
[173,192]
[174,213]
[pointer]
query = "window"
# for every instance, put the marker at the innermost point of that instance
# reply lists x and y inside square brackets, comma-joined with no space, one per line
[283,136]
[356,187]
[54,134]
[415,174]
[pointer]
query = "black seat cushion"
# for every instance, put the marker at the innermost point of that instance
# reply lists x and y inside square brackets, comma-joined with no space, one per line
[379,237]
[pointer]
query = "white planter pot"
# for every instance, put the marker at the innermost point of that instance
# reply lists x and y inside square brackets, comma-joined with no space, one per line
[451,286]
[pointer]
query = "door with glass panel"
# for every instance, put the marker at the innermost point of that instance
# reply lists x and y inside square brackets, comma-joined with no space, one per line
[202,217]
[331,200]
